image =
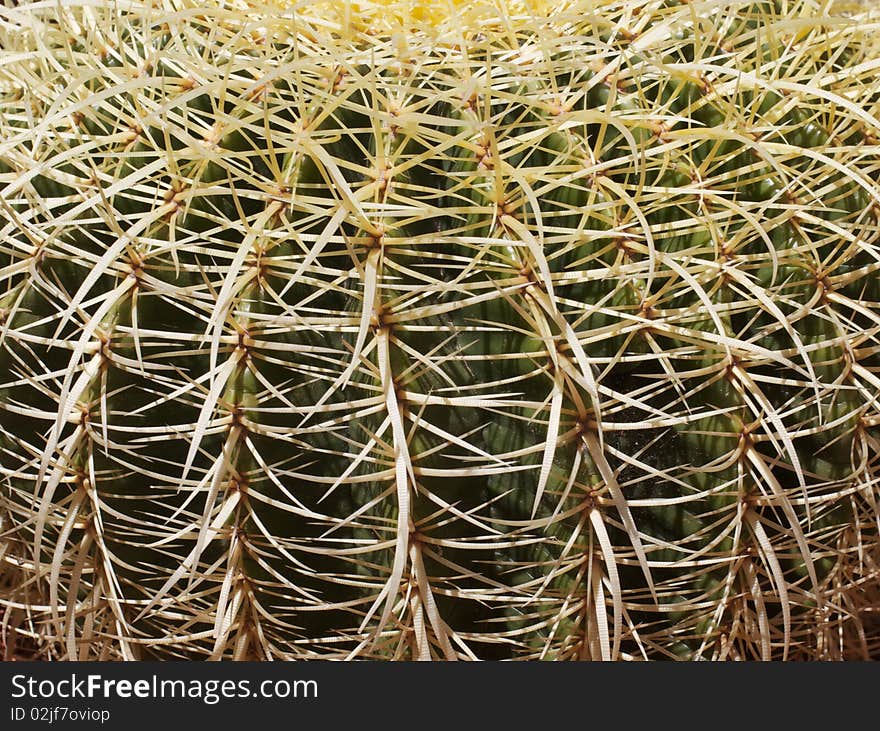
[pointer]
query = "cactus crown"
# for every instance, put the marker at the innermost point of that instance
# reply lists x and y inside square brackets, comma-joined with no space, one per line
[391,330]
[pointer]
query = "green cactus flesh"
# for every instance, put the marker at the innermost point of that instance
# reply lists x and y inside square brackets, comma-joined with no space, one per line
[555,338]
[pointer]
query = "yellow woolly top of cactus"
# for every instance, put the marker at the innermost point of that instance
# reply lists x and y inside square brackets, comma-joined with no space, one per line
[434,12]
[430,16]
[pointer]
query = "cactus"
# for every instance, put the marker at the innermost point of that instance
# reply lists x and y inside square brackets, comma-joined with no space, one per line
[454,331]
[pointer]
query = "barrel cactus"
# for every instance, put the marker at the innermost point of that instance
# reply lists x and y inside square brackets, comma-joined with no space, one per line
[440,330]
